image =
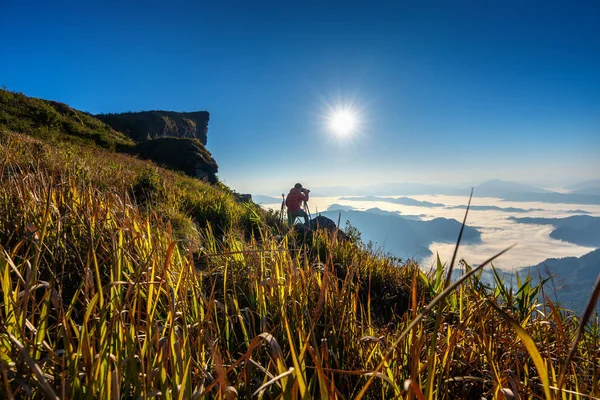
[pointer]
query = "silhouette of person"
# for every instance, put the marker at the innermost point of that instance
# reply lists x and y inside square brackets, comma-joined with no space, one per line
[293,202]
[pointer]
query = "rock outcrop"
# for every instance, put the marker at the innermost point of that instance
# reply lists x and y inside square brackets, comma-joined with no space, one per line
[174,139]
[319,222]
[141,126]
[187,155]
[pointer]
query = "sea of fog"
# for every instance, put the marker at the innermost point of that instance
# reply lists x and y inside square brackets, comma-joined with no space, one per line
[533,243]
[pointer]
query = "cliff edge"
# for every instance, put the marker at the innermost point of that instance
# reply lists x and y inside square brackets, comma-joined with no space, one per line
[174,139]
[144,125]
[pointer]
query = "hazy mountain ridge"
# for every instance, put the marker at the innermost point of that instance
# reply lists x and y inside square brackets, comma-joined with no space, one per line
[262,199]
[376,210]
[554,197]
[510,209]
[340,207]
[519,192]
[404,237]
[573,277]
[495,208]
[586,187]
[509,191]
[407,201]
[500,188]
[583,230]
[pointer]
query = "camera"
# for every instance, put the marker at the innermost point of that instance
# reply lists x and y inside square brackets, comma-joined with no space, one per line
[305,190]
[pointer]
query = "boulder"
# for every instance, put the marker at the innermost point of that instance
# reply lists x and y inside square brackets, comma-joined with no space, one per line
[242,198]
[323,222]
[319,222]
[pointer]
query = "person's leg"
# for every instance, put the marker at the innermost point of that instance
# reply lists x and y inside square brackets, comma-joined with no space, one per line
[290,218]
[305,216]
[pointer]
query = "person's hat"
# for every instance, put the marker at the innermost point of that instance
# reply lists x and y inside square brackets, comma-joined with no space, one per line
[298,186]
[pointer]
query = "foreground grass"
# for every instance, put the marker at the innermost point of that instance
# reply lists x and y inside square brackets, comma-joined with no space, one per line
[122,280]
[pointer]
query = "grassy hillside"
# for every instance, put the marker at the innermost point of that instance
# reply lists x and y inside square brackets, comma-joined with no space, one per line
[52,120]
[175,147]
[121,279]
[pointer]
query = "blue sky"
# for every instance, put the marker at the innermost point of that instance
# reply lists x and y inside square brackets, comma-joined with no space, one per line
[448,91]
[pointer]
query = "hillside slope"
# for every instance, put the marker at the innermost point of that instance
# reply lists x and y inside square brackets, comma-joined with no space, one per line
[179,146]
[53,120]
[121,279]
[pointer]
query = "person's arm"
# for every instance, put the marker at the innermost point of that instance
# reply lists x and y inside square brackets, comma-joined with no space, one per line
[305,196]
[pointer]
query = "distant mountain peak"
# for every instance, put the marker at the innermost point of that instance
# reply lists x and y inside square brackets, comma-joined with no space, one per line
[591,186]
[499,185]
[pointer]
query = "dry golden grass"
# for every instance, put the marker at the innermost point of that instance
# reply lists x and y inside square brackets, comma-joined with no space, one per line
[102,298]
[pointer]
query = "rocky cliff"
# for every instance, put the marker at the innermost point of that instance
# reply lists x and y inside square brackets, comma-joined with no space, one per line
[141,126]
[173,139]
[187,155]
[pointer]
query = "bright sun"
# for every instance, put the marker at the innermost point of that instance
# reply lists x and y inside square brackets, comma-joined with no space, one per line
[342,122]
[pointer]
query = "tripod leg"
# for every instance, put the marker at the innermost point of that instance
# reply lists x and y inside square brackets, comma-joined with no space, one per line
[307,210]
[282,207]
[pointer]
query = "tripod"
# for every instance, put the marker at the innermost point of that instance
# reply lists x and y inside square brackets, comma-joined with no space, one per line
[307,210]
[282,207]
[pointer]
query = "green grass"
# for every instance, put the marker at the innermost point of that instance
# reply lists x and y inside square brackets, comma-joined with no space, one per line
[51,120]
[60,124]
[120,279]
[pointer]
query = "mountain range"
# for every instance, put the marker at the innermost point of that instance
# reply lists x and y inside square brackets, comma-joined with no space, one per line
[406,201]
[583,230]
[573,278]
[587,187]
[406,237]
[584,193]
[262,199]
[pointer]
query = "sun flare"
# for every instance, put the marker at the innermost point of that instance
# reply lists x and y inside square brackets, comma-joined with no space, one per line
[342,122]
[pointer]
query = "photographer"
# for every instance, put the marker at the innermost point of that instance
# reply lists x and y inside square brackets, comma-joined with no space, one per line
[293,202]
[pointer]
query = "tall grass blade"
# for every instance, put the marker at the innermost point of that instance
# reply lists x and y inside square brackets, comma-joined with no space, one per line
[584,320]
[438,319]
[424,312]
[460,234]
[40,378]
[272,381]
[531,349]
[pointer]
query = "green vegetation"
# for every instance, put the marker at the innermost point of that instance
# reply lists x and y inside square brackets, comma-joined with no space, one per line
[55,121]
[121,279]
[58,123]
